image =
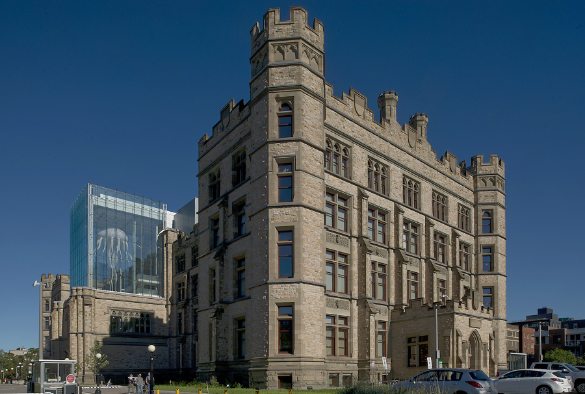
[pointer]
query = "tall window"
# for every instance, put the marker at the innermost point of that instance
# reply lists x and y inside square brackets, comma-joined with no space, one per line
[381,339]
[285,254]
[241,338]
[47,323]
[377,177]
[488,293]
[378,280]
[417,347]
[464,256]
[410,192]
[195,321]
[410,232]
[180,263]
[238,168]
[195,286]
[442,290]
[47,306]
[180,291]
[194,256]
[180,323]
[241,277]
[412,285]
[487,258]
[439,206]
[377,225]
[285,182]
[336,211]
[239,210]
[285,329]
[285,121]
[214,232]
[214,185]
[486,222]
[439,247]
[336,272]
[47,344]
[337,158]
[463,218]
[212,285]
[336,335]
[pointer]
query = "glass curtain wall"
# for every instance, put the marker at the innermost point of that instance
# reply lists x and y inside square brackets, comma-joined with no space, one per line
[114,242]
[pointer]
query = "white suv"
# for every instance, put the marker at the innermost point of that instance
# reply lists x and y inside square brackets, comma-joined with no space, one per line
[533,381]
[577,376]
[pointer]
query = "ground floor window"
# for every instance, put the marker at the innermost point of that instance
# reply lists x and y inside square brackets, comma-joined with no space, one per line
[346,380]
[417,350]
[333,380]
[285,382]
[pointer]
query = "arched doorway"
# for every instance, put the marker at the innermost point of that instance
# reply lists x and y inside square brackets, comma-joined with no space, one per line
[474,361]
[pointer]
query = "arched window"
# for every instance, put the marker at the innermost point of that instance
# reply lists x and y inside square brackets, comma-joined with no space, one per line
[486,222]
[337,158]
[439,206]
[377,177]
[410,192]
[285,124]
[463,218]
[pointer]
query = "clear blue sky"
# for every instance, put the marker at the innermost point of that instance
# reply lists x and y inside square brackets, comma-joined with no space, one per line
[118,93]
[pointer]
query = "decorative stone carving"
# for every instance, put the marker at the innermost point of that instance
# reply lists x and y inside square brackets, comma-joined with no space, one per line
[285,51]
[380,252]
[408,260]
[383,311]
[125,313]
[336,303]
[474,323]
[311,57]
[359,104]
[337,239]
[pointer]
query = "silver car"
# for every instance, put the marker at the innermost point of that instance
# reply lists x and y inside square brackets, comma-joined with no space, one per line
[449,380]
[534,381]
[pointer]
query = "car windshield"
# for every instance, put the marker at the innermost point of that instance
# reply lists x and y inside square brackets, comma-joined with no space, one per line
[478,375]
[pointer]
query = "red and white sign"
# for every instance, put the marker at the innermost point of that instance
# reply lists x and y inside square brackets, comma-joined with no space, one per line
[70,379]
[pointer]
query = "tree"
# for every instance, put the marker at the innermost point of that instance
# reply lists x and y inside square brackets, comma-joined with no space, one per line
[91,362]
[560,356]
[580,361]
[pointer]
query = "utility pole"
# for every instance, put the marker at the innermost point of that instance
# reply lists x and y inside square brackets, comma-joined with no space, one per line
[539,341]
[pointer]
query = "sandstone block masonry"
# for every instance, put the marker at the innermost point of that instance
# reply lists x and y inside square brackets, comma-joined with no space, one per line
[326,247]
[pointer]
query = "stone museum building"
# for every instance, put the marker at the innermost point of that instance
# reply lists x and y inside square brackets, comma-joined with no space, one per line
[326,237]
[325,240]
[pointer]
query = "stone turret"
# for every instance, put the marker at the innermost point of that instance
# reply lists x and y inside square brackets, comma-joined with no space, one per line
[387,102]
[419,123]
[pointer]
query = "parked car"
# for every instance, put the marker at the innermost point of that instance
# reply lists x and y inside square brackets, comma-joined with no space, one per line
[577,376]
[449,381]
[534,381]
[580,367]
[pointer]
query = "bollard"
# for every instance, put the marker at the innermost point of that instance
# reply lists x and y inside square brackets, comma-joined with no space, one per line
[199,391]
[157,392]
[225,392]
[289,391]
[177,391]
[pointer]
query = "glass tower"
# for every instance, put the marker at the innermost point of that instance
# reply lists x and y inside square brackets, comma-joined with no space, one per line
[114,242]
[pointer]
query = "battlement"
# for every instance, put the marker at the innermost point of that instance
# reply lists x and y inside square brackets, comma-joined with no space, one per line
[296,26]
[230,115]
[47,277]
[494,165]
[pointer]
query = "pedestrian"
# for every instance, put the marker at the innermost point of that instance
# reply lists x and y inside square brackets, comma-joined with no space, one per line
[102,379]
[131,384]
[139,384]
[148,383]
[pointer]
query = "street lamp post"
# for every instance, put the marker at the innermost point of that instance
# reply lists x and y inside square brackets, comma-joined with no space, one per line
[40,284]
[151,349]
[97,375]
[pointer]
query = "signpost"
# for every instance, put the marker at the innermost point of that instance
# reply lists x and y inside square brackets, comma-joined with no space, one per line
[430,362]
[385,368]
[70,378]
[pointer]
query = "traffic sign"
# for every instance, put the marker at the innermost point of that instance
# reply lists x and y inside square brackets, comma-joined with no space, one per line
[70,378]
[430,362]
[384,362]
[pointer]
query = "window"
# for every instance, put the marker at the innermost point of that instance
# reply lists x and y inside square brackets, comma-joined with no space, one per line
[442,290]
[439,247]
[241,277]
[376,225]
[285,182]
[337,158]
[47,306]
[212,285]
[346,380]
[214,185]
[463,218]
[195,322]
[336,271]
[285,382]
[488,293]
[285,254]
[378,281]
[180,323]
[417,346]
[439,206]
[241,338]
[47,344]
[239,211]
[410,192]
[47,323]
[180,263]
[138,323]
[285,121]
[410,237]
[464,256]
[194,256]
[487,258]
[377,177]
[180,291]
[195,286]
[486,222]
[336,211]
[333,380]
[412,285]
[285,329]
[336,335]
[238,168]
[381,339]
[214,232]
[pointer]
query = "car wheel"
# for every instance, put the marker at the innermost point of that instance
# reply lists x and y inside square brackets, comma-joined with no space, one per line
[544,390]
[580,387]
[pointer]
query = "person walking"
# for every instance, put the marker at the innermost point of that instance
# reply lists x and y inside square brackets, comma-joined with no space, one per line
[148,383]
[139,384]
[102,380]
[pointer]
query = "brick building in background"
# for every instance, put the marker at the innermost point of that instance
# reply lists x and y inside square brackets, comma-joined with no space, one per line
[325,236]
